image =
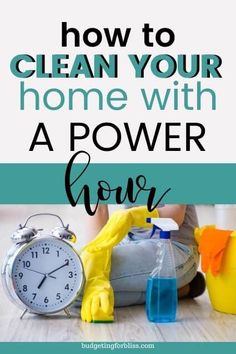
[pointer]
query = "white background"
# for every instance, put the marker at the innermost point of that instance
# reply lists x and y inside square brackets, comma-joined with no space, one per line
[35,28]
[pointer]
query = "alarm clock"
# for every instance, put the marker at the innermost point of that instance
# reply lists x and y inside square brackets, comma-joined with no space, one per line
[42,272]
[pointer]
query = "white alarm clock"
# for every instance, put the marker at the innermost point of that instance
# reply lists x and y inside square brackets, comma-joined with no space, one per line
[43,273]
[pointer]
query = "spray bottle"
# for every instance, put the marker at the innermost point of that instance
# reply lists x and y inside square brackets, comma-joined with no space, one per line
[161,292]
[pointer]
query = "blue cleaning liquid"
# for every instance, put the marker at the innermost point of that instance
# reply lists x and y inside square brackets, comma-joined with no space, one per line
[161,299]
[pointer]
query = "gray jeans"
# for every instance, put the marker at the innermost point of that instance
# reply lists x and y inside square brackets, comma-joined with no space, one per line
[133,261]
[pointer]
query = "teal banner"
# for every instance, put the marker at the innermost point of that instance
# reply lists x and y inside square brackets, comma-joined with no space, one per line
[188,183]
[117,347]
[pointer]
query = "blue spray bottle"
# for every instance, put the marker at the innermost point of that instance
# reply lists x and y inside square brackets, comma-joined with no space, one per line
[161,292]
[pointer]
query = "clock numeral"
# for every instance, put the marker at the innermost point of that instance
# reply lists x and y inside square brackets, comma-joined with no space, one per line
[58,296]
[46,250]
[67,261]
[26,264]
[20,275]
[34,254]
[70,275]
[34,295]
[58,254]
[67,287]
[24,288]
[46,300]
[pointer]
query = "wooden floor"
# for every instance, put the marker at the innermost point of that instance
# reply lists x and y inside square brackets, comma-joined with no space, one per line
[197,321]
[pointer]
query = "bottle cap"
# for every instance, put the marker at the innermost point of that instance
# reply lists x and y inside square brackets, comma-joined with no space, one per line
[164,234]
[165,225]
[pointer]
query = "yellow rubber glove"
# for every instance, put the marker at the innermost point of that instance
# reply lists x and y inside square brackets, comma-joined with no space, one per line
[119,225]
[98,298]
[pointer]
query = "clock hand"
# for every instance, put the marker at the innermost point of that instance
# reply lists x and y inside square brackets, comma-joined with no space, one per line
[35,271]
[42,281]
[53,271]
[48,274]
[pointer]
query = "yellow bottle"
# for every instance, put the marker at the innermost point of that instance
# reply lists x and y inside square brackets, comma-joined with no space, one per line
[222,288]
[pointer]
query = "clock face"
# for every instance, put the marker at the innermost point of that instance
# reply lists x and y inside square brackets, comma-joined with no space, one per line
[47,275]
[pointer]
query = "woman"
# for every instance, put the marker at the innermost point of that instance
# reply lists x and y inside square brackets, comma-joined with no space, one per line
[135,257]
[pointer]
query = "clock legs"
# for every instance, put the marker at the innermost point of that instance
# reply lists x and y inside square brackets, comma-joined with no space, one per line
[67,312]
[22,315]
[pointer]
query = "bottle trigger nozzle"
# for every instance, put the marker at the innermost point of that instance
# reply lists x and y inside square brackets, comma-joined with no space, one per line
[163,224]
